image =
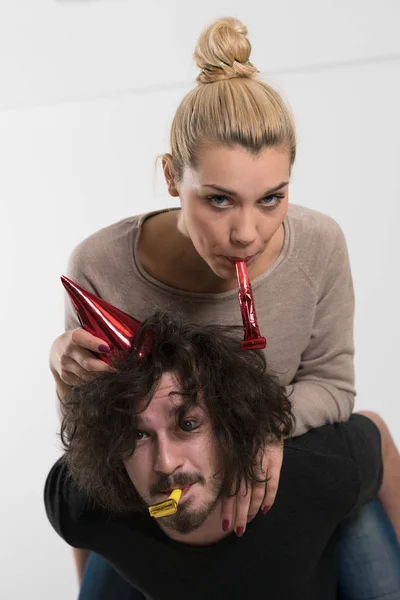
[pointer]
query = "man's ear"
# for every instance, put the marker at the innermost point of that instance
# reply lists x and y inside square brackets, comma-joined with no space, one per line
[169,175]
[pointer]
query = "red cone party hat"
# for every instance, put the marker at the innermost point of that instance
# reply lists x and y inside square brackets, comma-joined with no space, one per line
[102,319]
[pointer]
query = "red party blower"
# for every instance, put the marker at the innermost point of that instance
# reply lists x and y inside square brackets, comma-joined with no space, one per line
[252,337]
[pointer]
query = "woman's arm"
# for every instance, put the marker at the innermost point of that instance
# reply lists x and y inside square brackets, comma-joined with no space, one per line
[323,389]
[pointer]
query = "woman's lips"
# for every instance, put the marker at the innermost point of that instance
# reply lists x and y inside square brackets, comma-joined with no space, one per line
[235,259]
[240,258]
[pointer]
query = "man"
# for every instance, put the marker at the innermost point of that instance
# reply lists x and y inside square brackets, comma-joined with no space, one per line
[193,413]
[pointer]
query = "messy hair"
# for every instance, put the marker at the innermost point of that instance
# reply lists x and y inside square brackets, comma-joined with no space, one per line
[245,404]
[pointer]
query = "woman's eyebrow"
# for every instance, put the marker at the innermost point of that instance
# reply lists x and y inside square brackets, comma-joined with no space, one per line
[232,193]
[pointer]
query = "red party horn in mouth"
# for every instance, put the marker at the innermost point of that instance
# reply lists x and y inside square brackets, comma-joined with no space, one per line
[252,337]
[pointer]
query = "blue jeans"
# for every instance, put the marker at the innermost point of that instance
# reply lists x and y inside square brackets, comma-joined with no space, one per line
[369,563]
[369,556]
[101,582]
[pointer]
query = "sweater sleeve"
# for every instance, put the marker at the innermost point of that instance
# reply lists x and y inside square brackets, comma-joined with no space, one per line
[322,391]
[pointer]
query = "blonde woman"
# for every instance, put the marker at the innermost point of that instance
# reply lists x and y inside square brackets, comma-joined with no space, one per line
[233,146]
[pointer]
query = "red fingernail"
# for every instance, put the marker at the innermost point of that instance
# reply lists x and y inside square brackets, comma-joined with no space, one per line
[225,525]
[239,531]
[266,509]
[250,518]
[103,348]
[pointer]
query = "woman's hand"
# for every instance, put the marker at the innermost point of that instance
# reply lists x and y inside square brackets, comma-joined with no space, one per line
[242,508]
[72,359]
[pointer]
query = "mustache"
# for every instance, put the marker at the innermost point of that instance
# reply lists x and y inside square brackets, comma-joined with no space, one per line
[178,480]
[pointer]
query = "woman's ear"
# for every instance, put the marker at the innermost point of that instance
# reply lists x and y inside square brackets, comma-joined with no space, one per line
[169,175]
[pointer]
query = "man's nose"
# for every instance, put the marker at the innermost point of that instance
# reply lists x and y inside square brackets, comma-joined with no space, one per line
[244,228]
[168,456]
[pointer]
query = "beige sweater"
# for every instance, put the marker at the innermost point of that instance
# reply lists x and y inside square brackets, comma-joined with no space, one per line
[304,304]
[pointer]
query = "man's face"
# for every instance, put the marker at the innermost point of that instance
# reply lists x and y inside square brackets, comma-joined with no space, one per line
[168,456]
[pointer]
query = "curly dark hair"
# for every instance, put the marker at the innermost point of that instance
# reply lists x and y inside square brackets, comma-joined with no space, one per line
[246,406]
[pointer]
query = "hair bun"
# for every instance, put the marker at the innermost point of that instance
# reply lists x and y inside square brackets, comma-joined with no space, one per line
[223,51]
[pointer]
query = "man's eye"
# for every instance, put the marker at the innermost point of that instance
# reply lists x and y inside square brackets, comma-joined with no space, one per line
[139,435]
[189,425]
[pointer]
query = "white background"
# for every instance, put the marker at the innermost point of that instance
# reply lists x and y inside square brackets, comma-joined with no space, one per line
[87,93]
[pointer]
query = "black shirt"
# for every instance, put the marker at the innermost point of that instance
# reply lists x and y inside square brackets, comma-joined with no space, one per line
[289,553]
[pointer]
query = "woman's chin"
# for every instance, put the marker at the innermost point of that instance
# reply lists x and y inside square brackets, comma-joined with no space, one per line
[224,268]
[225,273]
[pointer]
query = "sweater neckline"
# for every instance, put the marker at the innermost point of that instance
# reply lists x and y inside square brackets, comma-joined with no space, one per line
[201,296]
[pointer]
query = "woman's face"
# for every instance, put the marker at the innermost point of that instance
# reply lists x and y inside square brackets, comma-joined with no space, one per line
[233,204]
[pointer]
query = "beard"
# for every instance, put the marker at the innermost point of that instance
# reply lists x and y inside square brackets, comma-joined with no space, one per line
[187,519]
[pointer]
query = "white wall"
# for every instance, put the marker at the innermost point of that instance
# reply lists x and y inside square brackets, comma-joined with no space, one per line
[87,92]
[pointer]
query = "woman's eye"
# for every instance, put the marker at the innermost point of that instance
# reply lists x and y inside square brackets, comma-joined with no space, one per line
[273,200]
[223,202]
[218,201]
[139,435]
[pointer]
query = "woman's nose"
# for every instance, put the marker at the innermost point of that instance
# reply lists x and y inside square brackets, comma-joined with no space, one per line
[244,229]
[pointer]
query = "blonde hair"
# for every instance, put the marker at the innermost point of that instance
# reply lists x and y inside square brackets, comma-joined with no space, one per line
[230,106]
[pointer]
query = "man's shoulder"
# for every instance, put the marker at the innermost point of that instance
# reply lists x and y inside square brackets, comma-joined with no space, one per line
[319,470]
[322,447]
[64,503]
[348,451]
[336,438]
[77,518]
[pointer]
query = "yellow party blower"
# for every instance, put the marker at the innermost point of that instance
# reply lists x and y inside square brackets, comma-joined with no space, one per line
[168,507]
